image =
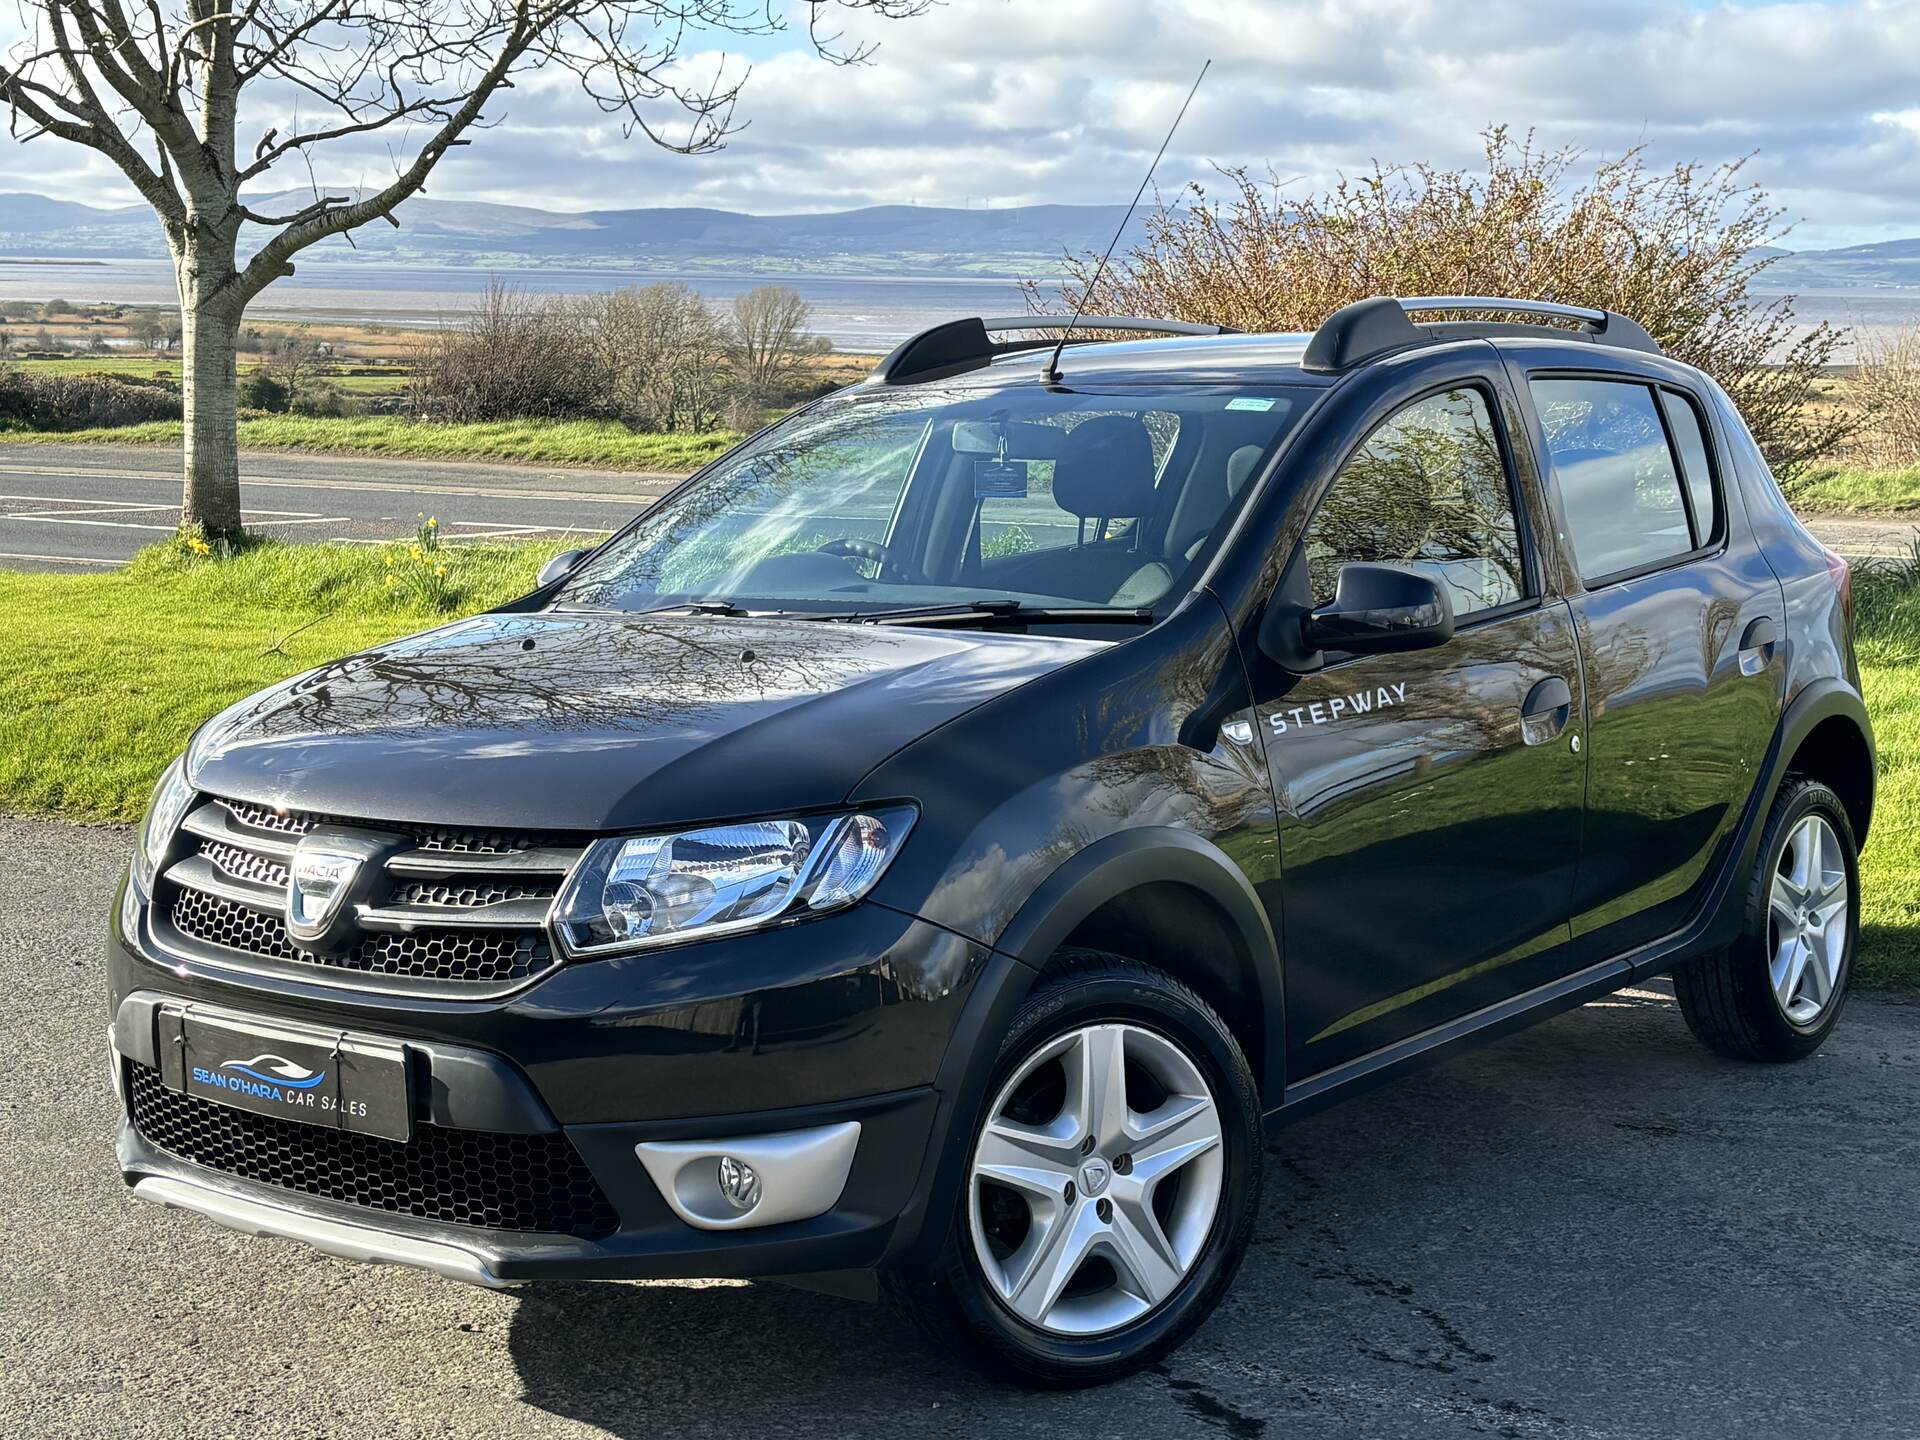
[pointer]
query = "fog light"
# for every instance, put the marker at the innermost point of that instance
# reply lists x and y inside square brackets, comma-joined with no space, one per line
[739,1184]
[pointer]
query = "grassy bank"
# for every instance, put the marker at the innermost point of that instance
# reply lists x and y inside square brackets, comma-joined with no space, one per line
[1851,491]
[103,677]
[1887,634]
[595,444]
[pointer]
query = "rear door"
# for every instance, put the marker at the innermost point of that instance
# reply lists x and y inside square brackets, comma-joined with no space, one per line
[1681,628]
[1429,802]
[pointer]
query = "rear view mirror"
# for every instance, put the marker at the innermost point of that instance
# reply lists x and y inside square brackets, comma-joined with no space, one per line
[1023,439]
[559,567]
[1378,609]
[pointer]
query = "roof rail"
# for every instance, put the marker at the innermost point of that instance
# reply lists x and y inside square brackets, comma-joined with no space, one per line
[1367,329]
[957,346]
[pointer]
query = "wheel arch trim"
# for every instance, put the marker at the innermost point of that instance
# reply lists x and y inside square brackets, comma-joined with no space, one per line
[1151,855]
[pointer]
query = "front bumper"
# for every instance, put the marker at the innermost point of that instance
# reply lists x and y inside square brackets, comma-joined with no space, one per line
[850,1020]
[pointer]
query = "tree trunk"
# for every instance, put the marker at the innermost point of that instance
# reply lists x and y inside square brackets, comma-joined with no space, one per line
[210,392]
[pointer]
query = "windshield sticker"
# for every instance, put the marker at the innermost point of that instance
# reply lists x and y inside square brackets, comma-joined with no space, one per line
[999,479]
[1250,402]
[1321,712]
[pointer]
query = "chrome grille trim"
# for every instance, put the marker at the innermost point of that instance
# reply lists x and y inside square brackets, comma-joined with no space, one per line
[475,927]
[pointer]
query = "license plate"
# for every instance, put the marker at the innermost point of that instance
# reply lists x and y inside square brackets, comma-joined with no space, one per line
[313,1077]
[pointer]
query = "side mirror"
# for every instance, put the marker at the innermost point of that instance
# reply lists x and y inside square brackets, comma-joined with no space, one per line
[559,567]
[1377,609]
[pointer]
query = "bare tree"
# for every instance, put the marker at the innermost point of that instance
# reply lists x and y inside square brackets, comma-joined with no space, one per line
[157,86]
[666,355]
[769,340]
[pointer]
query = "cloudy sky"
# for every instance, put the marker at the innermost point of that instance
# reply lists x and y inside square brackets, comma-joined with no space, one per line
[1015,101]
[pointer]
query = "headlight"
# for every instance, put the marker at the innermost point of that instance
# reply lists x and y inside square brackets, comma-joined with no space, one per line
[655,889]
[171,796]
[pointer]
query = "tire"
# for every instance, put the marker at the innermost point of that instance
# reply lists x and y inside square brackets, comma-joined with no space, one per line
[1730,998]
[1090,1007]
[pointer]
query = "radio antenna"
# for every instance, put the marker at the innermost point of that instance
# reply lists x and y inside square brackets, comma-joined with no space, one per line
[1051,375]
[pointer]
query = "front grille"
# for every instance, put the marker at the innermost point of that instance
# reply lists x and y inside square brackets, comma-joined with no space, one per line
[464,1177]
[456,911]
[469,957]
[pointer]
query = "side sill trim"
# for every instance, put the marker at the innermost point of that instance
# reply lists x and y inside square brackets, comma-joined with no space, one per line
[347,1242]
[1511,1013]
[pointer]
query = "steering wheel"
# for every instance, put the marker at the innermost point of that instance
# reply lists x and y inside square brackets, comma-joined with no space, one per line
[891,567]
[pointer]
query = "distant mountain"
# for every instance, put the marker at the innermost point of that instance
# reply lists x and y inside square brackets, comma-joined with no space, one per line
[905,239]
[915,240]
[1887,264]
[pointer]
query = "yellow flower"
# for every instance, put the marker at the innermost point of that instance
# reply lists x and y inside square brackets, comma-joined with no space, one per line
[432,521]
[441,572]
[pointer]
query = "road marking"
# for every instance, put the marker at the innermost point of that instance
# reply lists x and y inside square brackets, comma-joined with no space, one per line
[104,524]
[651,487]
[89,510]
[62,559]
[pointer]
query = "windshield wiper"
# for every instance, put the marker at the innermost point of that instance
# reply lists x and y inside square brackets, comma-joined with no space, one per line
[976,614]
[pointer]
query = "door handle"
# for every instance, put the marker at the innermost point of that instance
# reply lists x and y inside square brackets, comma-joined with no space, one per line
[1756,645]
[1548,707]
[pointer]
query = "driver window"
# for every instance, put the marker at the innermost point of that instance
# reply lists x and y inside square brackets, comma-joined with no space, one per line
[1427,490]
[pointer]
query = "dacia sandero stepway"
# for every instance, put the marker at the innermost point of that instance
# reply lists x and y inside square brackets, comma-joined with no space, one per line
[931,852]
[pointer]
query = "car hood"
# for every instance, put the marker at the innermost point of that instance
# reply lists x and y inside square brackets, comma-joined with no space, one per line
[572,722]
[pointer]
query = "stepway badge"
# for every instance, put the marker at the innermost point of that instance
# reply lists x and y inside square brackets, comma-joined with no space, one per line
[1322,712]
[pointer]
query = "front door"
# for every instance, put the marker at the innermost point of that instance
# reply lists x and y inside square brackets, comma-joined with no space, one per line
[1429,802]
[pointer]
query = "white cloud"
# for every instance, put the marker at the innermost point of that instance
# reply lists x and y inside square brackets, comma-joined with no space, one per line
[1017,101]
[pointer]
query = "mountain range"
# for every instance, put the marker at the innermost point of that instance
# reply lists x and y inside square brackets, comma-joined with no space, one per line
[905,239]
[882,239]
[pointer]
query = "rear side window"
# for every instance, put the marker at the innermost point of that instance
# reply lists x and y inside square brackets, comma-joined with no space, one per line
[1427,490]
[1691,439]
[1619,481]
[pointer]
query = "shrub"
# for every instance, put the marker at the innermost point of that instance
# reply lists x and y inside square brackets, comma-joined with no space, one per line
[515,357]
[1676,250]
[1887,388]
[82,402]
[262,391]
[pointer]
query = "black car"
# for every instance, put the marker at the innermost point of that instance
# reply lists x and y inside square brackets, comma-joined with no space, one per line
[931,851]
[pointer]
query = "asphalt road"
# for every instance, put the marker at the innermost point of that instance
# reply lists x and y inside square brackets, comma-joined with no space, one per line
[1592,1229]
[80,508]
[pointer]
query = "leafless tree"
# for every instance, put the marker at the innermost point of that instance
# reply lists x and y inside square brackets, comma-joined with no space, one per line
[666,354]
[293,358]
[770,343]
[158,87]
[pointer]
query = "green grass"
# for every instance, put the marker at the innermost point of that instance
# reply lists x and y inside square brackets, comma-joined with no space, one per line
[1887,637]
[103,677]
[591,444]
[1847,490]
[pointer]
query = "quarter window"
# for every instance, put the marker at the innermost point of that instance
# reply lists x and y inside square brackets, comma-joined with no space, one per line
[1619,482]
[1427,490]
[1690,438]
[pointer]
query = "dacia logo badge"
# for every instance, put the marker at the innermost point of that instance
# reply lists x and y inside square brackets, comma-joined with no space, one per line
[324,877]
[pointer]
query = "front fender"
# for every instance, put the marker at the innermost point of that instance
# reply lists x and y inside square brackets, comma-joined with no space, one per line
[1129,859]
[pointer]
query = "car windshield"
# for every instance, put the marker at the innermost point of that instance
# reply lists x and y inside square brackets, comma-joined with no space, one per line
[932,497]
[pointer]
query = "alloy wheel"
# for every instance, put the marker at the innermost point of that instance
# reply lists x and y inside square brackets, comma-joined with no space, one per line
[1096,1179]
[1807,921]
